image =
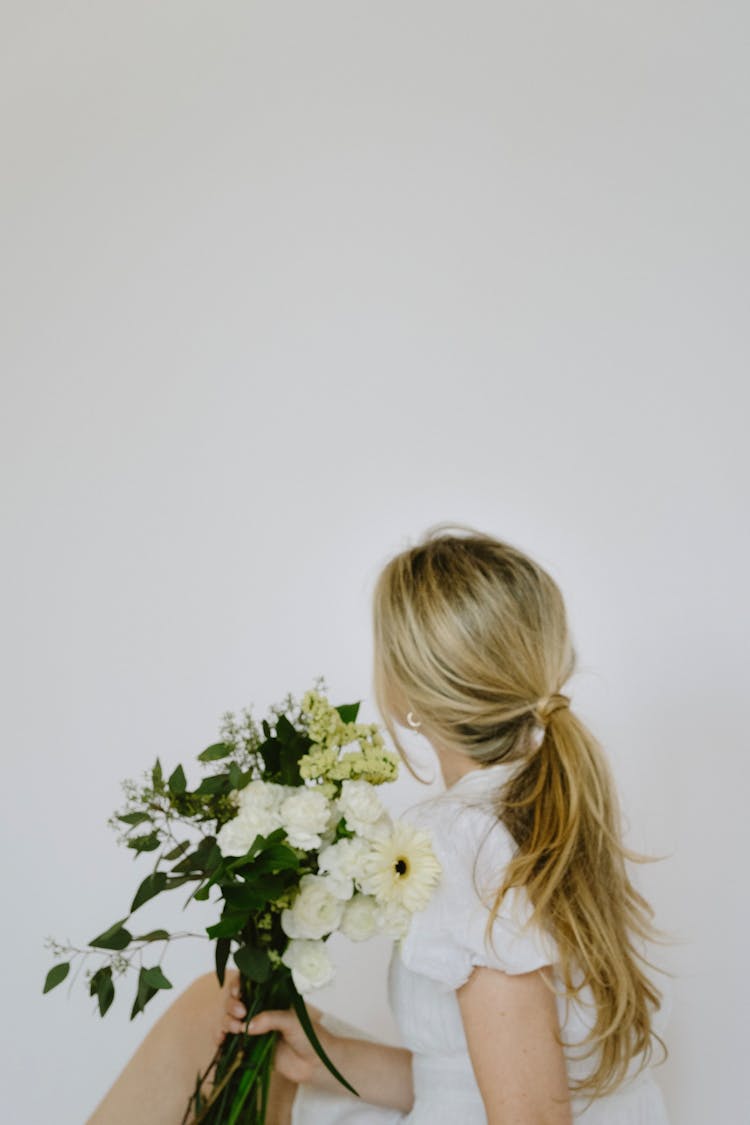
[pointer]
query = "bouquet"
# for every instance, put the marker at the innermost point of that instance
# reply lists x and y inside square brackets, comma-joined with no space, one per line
[291,835]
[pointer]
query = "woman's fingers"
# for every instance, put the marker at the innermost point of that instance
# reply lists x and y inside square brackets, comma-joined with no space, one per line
[273,1020]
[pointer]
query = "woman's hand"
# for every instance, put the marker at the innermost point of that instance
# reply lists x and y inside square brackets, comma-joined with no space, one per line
[380,1073]
[294,1056]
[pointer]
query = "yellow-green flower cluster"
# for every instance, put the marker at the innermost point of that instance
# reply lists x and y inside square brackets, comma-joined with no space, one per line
[325,760]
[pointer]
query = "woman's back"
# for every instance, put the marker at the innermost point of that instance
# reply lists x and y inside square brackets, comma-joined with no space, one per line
[444,943]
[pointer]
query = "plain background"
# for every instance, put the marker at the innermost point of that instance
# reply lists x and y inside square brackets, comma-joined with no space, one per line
[283,285]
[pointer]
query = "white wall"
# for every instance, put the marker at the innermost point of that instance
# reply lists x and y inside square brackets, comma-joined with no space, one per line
[282,285]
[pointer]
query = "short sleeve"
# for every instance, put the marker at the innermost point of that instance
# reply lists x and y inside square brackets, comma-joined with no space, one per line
[446,939]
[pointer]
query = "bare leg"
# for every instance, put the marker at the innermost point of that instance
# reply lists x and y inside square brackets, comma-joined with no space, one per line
[154,1087]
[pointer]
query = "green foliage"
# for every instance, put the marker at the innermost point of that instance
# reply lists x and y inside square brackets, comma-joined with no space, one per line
[215,751]
[56,975]
[348,712]
[223,946]
[231,923]
[177,781]
[151,885]
[102,986]
[147,843]
[299,1006]
[254,963]
[215,783]
[134,817]
[116,937]
[144,993]
[342,832]
[155,978]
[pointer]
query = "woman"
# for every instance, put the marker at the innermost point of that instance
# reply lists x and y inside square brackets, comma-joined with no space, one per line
[519,990]
[500,1022]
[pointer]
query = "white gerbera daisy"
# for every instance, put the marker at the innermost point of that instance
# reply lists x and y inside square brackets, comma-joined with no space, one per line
[402,868]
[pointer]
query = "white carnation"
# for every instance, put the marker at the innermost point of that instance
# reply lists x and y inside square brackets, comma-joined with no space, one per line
[236,836]
[360,919]
[309,962]
[315,911]
[362,810]
[392,919]
[262,794]
[344,862]
[305,815]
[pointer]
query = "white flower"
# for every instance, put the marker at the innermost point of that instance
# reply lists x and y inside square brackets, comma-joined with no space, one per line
[310,964]
[315,912]
[343,862]
[236,836]
[360,918]
[392,919]
[305,815]
[403,868]
[262,794]
[361,807]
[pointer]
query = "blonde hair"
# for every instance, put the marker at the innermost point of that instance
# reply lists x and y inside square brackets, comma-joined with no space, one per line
[472,634]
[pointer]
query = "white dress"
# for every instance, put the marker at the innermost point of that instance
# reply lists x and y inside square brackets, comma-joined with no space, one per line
[445,941]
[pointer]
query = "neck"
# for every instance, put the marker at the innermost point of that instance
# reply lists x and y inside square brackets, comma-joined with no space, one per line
[454,765]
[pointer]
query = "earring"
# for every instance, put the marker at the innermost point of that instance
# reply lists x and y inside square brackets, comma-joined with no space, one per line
[411,721]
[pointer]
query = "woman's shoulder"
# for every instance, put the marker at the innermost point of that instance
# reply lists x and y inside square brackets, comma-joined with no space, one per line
[466,833]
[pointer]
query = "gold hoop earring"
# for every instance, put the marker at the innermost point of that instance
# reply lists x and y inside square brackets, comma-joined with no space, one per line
[412,722]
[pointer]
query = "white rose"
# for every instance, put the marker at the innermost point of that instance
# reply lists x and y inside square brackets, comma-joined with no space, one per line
[236,836]
[362,810]
[343,862]
[305,815]
[315,912]
[392,919]
[309,962]
[360,918]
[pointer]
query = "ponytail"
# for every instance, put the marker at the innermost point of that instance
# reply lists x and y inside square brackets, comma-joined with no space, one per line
[561,809]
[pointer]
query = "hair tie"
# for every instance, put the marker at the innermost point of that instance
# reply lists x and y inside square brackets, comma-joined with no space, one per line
[543,711]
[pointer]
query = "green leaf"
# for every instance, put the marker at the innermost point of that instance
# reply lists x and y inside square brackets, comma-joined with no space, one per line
[215,751]
[143,994]
[56,975]
[177,781]
[155,978]
[146,843]
[178,881]
[253,962]
[251,896]
[202,893]
[342,832]
[101,984]
[259,1062]
[285,732]
[153,935]
[289,764]
[215,783]
[178,851]
[207,853]
[309,1030]
[348,712]
[223,945]
[230,924]
[116,937]
[277,857]
[236,776]
[156,775]
[152,885]
[133,817]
